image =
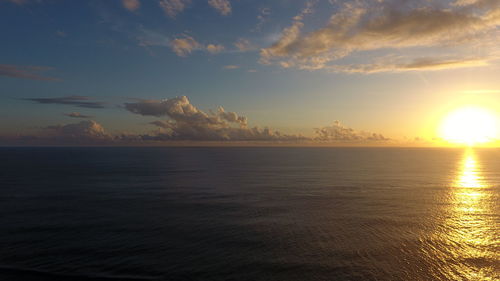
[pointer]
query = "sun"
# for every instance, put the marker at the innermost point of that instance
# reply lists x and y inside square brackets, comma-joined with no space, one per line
[469,126]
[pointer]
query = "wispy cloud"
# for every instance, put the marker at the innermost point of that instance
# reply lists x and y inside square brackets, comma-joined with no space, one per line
[26,72]
[222,6]
[61,33]
[262,18]
[78,115]
[244,45]
[185,45]
[148,38]
[131,5]
[386,26]
[79,101]
[231,66]
[173,7]
[400,65]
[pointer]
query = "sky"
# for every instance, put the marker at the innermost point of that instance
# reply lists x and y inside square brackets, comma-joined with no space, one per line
[381,72]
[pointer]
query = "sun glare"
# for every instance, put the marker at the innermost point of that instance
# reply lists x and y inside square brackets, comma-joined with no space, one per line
[470,126]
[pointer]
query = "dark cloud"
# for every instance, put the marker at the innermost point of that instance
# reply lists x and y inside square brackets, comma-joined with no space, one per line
[79,101]
[26,72]
[77,115]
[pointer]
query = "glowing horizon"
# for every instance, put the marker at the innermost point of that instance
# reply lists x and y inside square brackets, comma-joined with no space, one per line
[114,72]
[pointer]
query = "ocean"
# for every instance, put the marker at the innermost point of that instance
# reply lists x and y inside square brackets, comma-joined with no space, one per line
[249,213]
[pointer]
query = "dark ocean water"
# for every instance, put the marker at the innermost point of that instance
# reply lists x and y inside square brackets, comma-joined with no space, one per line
[249,214]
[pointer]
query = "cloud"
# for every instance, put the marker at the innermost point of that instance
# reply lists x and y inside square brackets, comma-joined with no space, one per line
[244,45]
[26,72]
[288,36]
[476,3]
[214,49]
[386,27]
[389,65]
[184,46]
[231,67]
[86,132]
[180,109]
[87,129]
[61,33]
[182,121]
[262,18]
[222,6]
[187,122]
[131,5]
[161,123]
[173,7]
[77,115]
[79,101]
[339,133]
[148,38]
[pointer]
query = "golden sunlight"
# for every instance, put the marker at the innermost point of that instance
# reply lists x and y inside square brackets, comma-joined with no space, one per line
[470,126]
[470,228]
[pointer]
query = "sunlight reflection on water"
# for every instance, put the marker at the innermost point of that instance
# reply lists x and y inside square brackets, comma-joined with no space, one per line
[471,232]
[274,214]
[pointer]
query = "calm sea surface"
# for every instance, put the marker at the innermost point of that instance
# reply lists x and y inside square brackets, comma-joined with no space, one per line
[249,214]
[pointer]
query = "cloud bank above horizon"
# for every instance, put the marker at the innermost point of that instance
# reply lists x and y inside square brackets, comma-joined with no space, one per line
[181,121]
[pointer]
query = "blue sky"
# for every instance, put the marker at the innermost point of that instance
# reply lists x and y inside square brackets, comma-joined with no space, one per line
[388,67]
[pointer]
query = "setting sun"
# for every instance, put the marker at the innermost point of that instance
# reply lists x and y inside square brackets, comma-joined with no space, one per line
[469,125]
